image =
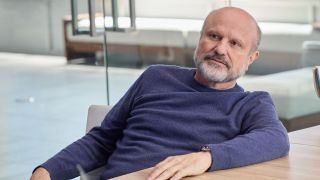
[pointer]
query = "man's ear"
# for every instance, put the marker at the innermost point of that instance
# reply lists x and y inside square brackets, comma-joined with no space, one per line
[254,56]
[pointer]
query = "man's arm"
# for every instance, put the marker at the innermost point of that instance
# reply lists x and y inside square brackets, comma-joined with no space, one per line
[92,150]
[262,138]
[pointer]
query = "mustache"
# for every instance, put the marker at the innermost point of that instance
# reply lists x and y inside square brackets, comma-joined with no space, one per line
[217,57]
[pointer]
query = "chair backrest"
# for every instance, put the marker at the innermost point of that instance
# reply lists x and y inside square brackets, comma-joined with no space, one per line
[96,114]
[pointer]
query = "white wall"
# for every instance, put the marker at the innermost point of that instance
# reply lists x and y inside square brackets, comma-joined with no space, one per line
[24,26]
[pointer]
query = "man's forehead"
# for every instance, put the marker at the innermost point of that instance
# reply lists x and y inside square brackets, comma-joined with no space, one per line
[235,20]
[233,15]
[228,26]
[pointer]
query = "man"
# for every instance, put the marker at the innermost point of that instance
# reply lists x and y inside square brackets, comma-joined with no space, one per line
[185,121]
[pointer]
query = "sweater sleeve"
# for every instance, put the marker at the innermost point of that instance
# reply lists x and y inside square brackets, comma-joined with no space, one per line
[262,138]
[93,150]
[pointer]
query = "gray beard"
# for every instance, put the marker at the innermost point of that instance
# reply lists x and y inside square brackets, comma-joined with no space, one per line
[216,74]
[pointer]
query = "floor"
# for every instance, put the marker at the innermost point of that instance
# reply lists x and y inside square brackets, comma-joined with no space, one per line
[43,106]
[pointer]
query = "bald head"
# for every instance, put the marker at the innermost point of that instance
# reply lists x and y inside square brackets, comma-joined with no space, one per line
[240,18]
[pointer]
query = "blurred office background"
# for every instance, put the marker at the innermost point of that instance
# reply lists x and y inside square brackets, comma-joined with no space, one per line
[49,76]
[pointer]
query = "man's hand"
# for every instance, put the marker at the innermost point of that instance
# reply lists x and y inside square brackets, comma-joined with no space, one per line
[40,174]
[177,167]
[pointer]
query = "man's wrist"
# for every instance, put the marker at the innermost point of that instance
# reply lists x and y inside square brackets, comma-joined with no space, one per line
[206,150]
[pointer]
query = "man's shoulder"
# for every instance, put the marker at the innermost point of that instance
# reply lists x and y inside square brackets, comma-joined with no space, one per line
[258,93]
[259,96]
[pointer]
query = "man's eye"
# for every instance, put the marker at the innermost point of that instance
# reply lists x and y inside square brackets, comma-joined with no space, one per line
[214,36]
[235,43]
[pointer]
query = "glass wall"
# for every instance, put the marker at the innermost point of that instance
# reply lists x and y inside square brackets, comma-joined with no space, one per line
[167,32]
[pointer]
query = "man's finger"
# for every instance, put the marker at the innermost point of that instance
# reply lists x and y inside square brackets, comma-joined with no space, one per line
[179,174]
[161,167]
[170,172]
[168,159]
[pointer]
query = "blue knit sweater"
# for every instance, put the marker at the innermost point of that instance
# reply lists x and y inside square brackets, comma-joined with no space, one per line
[166,112]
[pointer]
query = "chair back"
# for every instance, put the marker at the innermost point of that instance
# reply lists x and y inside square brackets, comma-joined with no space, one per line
[96,114]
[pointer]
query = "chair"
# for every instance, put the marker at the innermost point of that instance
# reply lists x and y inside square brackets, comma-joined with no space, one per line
[96,114]
[316,79]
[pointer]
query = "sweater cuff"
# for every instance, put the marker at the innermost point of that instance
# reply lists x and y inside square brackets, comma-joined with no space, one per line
[42,166]
[220,157]
[55,171]
[49,168]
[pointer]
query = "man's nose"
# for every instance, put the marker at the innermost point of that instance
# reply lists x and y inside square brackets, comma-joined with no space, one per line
[221,47]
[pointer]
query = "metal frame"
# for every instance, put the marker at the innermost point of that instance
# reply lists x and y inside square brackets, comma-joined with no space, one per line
[93,31]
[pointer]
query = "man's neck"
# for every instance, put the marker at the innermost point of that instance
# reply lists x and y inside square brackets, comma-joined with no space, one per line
[213,85]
